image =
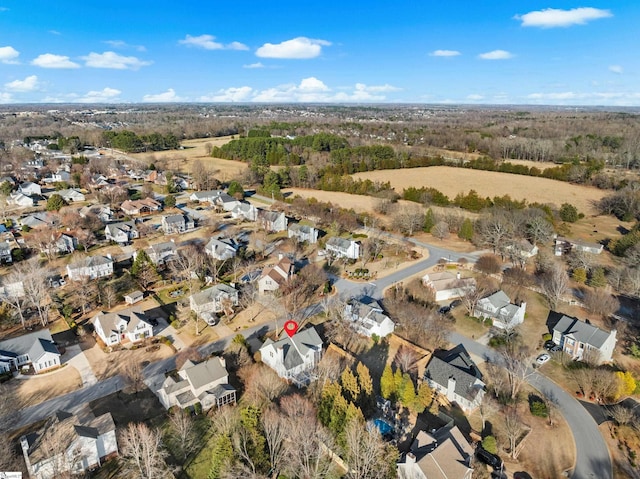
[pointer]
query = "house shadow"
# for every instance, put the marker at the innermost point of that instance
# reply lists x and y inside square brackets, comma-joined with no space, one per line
[552,319]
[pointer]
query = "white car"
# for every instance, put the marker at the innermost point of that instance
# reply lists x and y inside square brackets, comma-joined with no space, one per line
[543,358]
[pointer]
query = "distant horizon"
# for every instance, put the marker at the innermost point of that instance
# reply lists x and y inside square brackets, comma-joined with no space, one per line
[475,53]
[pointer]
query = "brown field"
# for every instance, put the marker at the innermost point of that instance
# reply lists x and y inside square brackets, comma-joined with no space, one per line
[359,203]
[196,150]
[452,181]
[541,165]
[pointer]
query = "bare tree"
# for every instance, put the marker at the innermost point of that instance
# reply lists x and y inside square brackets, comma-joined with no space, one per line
[108,295]
[622,415]
[406,359]
[134,375]
[86,238]
[142,453]
[513,428]
[554,284]
[274,426]
[488,407]
[408,220]
[85,292]
[440,230]
[517,360]
[36,290]
[262,384]
[600,302]
[44,239]
[14,293]
[366,452]
[182,432]
[187,354]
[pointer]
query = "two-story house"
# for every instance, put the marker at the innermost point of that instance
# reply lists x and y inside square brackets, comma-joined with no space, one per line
[272,221]
[126,325]
[5,252]
[343,248]
[206,383]
[162,253]
[273,277]
[245,212]
[368,318]
[581,340]
[446,286]
[294,357]
[454,374]
[61,243]
[90,267]
[29,189]
[36,349]
[20,200]
[303,233]
[103,212]
[177,224]
[216,299]
[499,308]
[221,248]
[69,446]
[71,194]
[122,233]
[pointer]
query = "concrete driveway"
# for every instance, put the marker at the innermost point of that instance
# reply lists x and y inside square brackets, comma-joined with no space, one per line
[74,356]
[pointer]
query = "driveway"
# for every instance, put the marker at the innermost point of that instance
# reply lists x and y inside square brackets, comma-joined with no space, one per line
[74,356]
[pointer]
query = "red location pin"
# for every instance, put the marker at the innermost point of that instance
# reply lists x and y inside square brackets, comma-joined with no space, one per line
[291,327]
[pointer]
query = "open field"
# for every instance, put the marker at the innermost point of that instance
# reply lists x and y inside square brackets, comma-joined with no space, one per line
[197,150]
[452,181]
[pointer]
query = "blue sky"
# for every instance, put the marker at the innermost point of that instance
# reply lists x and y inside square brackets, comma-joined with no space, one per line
[464,51]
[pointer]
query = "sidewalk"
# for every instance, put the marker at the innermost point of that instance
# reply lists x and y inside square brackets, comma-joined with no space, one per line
[75,357]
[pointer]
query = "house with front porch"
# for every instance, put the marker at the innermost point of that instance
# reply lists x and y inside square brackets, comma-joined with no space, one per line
[221,248]
[206,383]
[343,248]
[177,224]
[216,299]
[130,325]
[581,340]
[565,246]
[445,285]
[275,276]
[36,349]
[90,267]
[272,221]
[245,212]
[500,310]
[303,233]
[121,233]
[368,318]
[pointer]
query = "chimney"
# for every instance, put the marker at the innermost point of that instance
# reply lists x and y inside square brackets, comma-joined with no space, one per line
[410,458]
[451,386]
[280,256]
[108,255]
[458,275]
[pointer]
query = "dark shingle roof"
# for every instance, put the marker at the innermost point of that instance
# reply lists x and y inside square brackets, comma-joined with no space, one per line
[458,365]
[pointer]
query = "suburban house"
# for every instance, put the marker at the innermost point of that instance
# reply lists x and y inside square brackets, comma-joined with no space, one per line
[58,177]
[582,340]
[521,249]
[565,246]
[97,181]
[39,219]
[245,211]
[5,252]
[61,243]
[68,444]
[294,357]
[18,199]
[103,212]
[126,325]
[275,276]
[453,374]
[368,318]
[90,267]
[140,207]
[162,253]
[36,349]
[177,224]
[209,196]
[272,221]
[221,248]
[446,285]
[441,454]
[499,308]
[206,383]
[303,233]
[29,189]
[343,248]
[122,233]
[70,195]
[217,299]
[217,198]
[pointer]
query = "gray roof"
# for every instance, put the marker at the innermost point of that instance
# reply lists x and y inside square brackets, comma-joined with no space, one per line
[125,227]
[213,293]
[270,215]
[456,364]
[34,344]
[220,245]
[109,321]
[301,228]
[90,261]
[174,219]
[297,346]
[205,195]
[582,332]
[368,308]
[167,246]
[206,372]
[337,242]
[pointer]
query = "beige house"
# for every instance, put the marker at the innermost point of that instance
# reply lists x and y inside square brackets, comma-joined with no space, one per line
[273,277]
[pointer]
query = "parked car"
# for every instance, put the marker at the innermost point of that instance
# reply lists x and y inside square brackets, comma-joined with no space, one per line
[543,358]
[488,458]
[551,346]
[444,309]
[455,303]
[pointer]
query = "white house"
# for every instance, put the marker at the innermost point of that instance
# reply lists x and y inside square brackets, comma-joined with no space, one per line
[217,299]
[368,318]
[303,233]
[62,243]
[5,252]
[565,246]
[221,248]
[103,212]
[70,195]
[177,224]
[209,196]
[21,200]
[343,248]
[499,308]
[294,358]
[582,340]
[90,267]
[456,376]
[40,219]
[206,383]
[162,253]
[133,297]
[441,454]
[245,211]
[36,349]
[272,221]
[58,177]
[445,285]
[273,277]
[126,325]
[121,233]
[29,189]
[67,444]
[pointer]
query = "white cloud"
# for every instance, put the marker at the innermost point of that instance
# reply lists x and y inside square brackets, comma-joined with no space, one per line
[6,98]
[106,95]
[445,53]
[376,88]
[28,84]
[496,55]
[124,45]
[114,61]
[555,17]
[296,48]
[240,94]
[587,98]
[8,55]
[54,32]
[49,60]
[208,43]
[254,65]
[475,97]
[167,96]
[616,69]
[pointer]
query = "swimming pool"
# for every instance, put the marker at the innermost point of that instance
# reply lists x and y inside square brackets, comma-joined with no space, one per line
[383,426]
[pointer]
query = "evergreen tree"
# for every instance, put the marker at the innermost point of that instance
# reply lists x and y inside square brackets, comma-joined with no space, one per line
[350,385]
[579,275]
[466,230]
[221,456]
[598,279]
[364,379]
[423,398]
[55,202]
[387,384]
[429,221]
[407,392]
[169,201]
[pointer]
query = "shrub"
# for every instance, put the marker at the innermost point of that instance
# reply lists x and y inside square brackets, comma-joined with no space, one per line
[547,337]
[197,408]
[569,213]
[489,444]
[538,409]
